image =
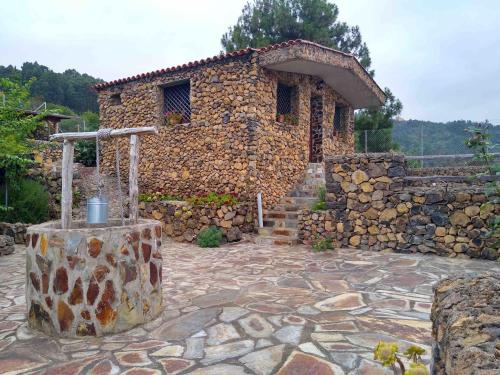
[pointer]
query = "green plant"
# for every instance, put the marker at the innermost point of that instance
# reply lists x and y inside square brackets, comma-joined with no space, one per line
[321,243]
[173,118]
[209,237]
[479,142]
[213,199]
[157,196]
[85,153]
[291,119]
[320,204]
[28,203]
[387,354]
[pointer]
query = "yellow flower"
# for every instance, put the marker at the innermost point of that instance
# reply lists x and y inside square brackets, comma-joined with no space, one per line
[417,369]
[386,352]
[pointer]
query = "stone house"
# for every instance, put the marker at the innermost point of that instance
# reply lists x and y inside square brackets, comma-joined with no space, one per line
[245,122]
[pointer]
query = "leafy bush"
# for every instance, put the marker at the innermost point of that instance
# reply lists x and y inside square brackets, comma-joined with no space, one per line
[28,203]
[322,244]
[320,204]
[213,199]
[210,237]
[155,197]
[85,153]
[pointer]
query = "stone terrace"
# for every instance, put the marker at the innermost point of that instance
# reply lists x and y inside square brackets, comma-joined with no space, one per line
[247,309]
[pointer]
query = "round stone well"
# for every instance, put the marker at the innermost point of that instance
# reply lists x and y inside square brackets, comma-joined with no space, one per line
[88,281]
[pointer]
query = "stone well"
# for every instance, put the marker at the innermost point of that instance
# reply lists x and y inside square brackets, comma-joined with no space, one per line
[88,281]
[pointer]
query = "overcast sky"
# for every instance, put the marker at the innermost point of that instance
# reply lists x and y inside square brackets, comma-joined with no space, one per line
[441,58]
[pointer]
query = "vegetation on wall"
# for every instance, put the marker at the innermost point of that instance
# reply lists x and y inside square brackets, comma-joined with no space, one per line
[480,143]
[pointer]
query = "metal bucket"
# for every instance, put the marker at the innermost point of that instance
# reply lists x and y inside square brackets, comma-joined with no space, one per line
[97,210]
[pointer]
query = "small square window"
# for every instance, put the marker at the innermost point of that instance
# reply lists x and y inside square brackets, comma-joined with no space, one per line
[177,102]
[116,99]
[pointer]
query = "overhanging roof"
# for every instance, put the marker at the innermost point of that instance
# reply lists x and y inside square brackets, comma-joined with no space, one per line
[339,70]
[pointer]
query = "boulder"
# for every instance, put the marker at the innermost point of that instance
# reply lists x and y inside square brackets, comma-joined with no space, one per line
[6,245]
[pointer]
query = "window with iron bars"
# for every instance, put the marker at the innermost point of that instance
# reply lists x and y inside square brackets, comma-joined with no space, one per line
[338,120]
[177,102]
[284,99]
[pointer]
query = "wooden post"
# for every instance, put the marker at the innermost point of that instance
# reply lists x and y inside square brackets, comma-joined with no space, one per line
[132,179]
[67,182]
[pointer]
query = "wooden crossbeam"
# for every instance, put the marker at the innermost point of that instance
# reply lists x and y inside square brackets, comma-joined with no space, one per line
[67,168]
[125,132]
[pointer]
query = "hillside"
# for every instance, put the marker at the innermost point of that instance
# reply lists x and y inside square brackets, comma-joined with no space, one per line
[438,138]
[70,88]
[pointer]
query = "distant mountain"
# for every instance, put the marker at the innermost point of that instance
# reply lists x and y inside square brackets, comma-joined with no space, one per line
[438,138]
[70,88]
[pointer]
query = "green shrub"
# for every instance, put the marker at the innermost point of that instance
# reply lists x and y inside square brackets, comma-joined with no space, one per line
[320,204]
[210,237]
[154,197]
[28,203]
[322,243]
[85,153]
[213,199]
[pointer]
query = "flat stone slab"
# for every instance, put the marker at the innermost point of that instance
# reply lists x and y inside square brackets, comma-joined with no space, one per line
[247,309]
[186,325]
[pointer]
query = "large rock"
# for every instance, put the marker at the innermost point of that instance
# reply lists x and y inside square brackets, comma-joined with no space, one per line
[6,244]
[465,325]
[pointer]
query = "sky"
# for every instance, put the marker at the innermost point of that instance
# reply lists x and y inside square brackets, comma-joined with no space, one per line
[441,58]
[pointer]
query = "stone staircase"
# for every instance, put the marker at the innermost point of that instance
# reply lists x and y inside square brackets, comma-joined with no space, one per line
[280,222]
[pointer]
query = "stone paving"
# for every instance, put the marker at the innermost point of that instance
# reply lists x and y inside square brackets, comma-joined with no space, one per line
[247,309]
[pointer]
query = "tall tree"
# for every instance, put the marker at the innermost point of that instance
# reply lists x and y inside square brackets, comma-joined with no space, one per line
[378,122]
[265,22]
[70,88]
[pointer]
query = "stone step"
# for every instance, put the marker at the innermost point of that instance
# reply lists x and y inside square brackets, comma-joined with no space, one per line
[276,240]
[273,215]
[301,202]
[287,232]
[280,223]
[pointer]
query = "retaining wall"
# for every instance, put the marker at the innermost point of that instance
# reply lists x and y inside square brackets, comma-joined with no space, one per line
[183,221]
[373,205]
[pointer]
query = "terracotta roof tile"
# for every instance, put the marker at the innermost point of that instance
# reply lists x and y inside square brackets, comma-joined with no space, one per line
[219,57]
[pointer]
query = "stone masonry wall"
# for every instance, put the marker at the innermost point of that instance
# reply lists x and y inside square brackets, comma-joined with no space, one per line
[183,221]
[465,325]
[233,142]
[372,206]
[283,149]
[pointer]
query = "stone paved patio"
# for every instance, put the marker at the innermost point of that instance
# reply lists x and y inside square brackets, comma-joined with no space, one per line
[246,309]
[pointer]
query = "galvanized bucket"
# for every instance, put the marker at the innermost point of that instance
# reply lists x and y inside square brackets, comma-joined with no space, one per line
[97,210]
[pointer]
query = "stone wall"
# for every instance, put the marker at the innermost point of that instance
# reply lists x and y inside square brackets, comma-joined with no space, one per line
[15,230]
[465,325]
[183,221]
[373,206]
[282,150]
[233,142]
